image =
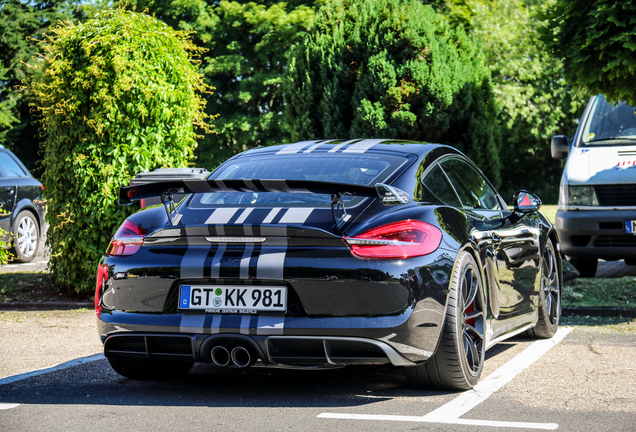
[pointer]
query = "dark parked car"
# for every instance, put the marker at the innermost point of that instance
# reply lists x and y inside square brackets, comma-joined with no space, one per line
[22,206]
[325,254]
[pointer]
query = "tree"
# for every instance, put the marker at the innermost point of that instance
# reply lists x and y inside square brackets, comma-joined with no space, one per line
[246,54]
[245,63]
[22,24]
[392,69]
[534,100]
[597,41]
[118,94]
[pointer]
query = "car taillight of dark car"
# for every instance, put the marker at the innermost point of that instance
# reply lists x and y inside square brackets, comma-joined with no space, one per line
[128,239]
[398,240]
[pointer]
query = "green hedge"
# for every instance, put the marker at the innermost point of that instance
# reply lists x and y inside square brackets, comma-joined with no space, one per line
[5,243]
[118,94]
[597,41]
[392,69]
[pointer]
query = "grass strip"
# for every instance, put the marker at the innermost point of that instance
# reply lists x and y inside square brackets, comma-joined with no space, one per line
[606,292]
[33,287]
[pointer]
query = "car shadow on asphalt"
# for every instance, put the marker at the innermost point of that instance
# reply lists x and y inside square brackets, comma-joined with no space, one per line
[212,386]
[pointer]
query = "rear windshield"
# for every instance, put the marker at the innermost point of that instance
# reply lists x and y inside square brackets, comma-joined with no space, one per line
[366,170]
[610,124]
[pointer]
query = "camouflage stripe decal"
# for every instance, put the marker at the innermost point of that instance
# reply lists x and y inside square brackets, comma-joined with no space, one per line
[296,215]
[192,323]
[221,215]
[215,267]
[193,261]
[295,148]
[362,146]
[339,146]
[272,214]
[244,215]
[270,325]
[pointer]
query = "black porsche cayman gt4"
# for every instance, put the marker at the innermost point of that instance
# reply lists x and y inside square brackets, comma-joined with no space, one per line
[326,254]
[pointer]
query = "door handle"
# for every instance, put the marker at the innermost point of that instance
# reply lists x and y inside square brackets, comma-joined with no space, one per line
[9,189]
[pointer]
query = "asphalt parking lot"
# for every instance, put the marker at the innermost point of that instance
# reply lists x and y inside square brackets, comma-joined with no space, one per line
[54,378]
[586,381]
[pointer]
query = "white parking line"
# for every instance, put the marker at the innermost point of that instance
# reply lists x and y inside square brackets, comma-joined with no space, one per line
[451,412]
[59,367]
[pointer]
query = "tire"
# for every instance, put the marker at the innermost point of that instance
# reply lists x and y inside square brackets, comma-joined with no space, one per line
[630,261]
[586,266]
[549,296]
[459,359]
[26,237]
[149,369]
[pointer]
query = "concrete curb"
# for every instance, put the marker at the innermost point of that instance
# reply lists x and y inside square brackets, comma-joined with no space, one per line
[599,312]
[54,305]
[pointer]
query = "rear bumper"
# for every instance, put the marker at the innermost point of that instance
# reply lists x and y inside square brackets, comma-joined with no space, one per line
[398,304]
[402,339]
[289,351]
[596,233]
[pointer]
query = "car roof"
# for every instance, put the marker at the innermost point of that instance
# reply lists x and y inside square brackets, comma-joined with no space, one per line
[353,146]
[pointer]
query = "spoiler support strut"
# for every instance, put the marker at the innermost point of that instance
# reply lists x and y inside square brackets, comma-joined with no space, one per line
[171,210]
[337,206]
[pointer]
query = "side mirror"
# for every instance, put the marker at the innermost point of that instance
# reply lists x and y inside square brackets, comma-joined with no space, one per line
[526,202]
[559,147]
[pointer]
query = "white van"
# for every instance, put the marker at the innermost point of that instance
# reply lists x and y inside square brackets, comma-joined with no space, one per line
[596,216]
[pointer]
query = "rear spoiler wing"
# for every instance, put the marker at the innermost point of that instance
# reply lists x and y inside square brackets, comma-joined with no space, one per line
[388,195]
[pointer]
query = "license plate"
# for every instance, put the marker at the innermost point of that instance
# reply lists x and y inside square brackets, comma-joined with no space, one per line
[630,227]
[233,298]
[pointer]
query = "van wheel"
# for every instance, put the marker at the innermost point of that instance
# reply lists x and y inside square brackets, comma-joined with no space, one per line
[586,266]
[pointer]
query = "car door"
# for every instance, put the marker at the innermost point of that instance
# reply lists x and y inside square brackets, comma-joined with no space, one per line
[10,172]
[517,259]
[510,250]
[7,197]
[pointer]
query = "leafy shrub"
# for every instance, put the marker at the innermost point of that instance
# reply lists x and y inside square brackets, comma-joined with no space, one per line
[5,243]
[245,62]
[392,69]
[597,41]
[117,95]
[534,100]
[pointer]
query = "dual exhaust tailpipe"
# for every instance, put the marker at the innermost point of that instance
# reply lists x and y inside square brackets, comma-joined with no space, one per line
[238,355]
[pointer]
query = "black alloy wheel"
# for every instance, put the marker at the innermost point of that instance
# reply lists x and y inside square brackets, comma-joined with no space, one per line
[473,320]
[549,295]
[458,362]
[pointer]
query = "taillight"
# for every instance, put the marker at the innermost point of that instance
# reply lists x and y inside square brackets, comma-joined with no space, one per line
[102,277]
[127,240]
[396,240]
